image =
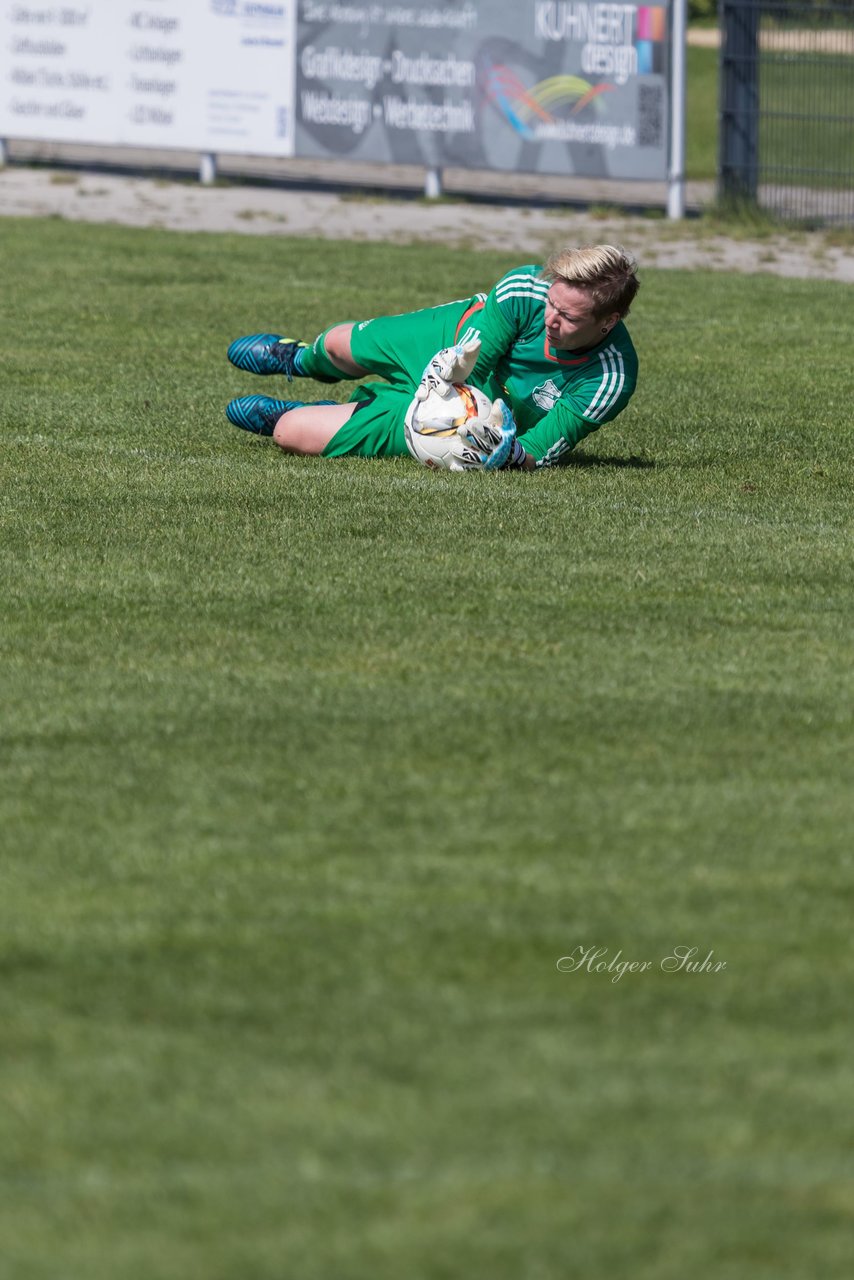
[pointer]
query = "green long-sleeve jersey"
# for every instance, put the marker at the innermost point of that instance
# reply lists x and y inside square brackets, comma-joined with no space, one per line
[556,397]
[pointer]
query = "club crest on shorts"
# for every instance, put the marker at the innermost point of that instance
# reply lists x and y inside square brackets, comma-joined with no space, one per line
[546,395]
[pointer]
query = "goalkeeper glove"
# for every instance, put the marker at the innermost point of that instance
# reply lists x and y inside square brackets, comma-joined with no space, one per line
[464,457]
[452,364]
[493,438]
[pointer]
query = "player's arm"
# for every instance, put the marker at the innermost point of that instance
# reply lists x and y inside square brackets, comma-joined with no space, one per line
[511,307]
[491,443]
[555,435]
[577,416]
[497,448]
[497,334]
[520,460]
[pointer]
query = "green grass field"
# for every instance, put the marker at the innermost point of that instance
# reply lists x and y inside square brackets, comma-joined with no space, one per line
[313,771]
[701,113]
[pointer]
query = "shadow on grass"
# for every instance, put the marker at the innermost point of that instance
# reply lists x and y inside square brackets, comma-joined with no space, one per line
[601,460]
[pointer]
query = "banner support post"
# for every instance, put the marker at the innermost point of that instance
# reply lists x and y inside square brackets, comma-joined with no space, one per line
[433,184]
[207,168]
[676,161]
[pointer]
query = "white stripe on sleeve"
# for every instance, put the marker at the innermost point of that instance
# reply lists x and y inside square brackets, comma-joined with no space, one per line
[611,386]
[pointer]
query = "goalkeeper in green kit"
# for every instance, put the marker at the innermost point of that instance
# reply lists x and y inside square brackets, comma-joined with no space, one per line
[547,345]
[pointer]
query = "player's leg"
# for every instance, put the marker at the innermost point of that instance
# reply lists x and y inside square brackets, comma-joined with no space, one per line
[327,359]
[268,353]
[260,415]
[395,347]
[307,430]
[337,348]
[400,347]
[375,429]
[370,426]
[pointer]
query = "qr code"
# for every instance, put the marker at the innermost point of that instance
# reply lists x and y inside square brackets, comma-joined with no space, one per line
[650,115]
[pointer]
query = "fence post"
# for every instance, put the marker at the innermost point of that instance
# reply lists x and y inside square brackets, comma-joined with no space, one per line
[676,167]
[433,184]
[738,164]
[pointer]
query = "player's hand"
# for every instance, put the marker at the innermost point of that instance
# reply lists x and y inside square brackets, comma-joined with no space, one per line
[463,456]
[492,438]
[452,364]
[457,362]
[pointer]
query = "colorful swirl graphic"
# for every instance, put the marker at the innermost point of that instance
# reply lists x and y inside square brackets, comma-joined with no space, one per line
[521,106]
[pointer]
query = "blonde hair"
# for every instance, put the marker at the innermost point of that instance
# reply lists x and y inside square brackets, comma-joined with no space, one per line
[606,271]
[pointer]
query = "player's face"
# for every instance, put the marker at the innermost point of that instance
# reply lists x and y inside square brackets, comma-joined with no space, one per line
[570,322]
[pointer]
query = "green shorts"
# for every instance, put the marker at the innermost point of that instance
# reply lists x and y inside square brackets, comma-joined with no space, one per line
[397,348]
[376,428]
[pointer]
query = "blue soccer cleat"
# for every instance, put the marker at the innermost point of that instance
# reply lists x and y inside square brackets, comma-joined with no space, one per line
[259,414]
[266,353]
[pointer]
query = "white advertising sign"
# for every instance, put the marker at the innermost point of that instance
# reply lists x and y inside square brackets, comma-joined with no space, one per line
[206,75]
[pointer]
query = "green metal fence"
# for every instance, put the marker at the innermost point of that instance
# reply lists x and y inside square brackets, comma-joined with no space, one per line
[787,108]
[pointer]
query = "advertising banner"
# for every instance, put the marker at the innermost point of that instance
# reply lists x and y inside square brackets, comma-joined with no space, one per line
[207,75]
[532,86]
[535,86]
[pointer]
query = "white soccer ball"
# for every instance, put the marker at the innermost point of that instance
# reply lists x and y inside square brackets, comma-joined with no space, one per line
[431,424]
